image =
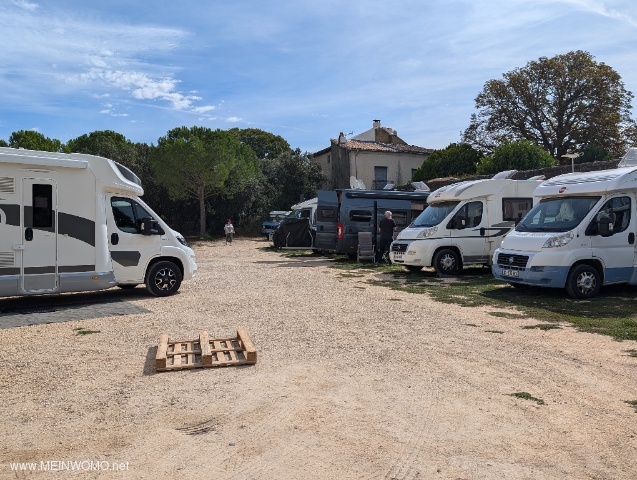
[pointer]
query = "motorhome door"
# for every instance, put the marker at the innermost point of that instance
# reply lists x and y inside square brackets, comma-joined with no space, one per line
[130,249]
[326,220]
[38,270]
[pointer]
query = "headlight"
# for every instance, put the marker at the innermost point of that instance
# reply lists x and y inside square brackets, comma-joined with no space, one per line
[558,240]
[427,232]
[182,240]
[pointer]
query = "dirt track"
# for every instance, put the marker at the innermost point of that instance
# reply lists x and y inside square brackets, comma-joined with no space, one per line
[352,381]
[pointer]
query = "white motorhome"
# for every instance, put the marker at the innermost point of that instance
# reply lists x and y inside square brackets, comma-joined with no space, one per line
[74,222]
[463,224]
[580,236]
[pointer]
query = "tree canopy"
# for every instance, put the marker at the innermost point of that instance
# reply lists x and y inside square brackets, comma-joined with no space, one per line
[199,162]
[264,144]
[519,155]
[32,140]
[561,103]
[454,160]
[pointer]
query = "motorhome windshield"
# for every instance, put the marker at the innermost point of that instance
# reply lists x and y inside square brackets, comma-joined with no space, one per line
[434,214]
[557,214]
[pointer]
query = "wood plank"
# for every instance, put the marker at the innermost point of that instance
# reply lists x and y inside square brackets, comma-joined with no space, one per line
[248,346]
[206,354]
[160,356]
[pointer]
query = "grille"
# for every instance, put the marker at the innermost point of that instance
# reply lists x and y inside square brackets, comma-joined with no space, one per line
[7,185]
[508,260]
[7,259]
[399,247]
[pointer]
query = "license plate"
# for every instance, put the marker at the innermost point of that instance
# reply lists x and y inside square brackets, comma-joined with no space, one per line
[510,273]
[398,257]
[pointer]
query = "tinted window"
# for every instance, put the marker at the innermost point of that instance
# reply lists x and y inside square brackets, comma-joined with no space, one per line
[472,214]
[514,209]
[42,206]
[559,214]
[617,210]
[128,214]
[360,216]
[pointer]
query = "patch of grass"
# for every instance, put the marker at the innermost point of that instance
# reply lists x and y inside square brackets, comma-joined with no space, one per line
[84,331]
[527,396]
[494,331]
[542,326]
[349,275]
[631,353]
[613,312]
[632,403]
[507,315]
[471,325]
[395,299]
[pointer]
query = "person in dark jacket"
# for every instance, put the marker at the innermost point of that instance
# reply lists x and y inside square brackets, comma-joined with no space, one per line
[386,228]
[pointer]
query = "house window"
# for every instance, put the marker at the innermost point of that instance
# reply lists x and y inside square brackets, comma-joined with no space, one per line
[380,177]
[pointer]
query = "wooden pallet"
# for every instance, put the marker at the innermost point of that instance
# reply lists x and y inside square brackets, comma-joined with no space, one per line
[204,352]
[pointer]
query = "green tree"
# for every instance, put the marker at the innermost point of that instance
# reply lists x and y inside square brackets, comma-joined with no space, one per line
[561,103]
[519,155]
[454,160]
[106,143]
[264,144]
[292,176]
[3,143]
[593,152]
[32,140]
[197,162]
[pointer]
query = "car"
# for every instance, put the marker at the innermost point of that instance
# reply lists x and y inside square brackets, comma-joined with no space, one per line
[271,222]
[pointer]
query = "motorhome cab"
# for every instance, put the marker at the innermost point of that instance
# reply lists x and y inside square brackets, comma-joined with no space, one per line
[75,222]
[580,236]
[463,224]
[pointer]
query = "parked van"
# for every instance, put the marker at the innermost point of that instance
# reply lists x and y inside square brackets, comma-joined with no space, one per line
[341,214]
[298,230]
[271,221]
[580,236]
[463,224]
[75,222]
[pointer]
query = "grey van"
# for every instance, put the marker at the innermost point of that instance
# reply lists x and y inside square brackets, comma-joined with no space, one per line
[341,214]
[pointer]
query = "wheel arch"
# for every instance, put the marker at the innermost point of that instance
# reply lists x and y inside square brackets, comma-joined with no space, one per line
[591,262]
[172,259]
[446,247]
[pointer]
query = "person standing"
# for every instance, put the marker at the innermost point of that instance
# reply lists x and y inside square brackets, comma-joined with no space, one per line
[386,227]
[229,231]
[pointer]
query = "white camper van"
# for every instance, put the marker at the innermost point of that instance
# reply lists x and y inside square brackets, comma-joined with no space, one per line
[580,236]
[463,224]
[74,222]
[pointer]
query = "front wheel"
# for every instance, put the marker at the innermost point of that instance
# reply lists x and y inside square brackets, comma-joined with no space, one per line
[163,279]
[583,282]
[447,262]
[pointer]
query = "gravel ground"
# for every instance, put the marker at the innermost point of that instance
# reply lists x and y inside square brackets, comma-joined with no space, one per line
[352,381]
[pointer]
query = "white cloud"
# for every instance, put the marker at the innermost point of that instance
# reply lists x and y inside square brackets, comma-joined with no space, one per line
[233,119]
[25,5]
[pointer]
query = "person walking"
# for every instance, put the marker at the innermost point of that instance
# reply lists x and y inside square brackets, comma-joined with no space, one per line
[229,231]
[386,227]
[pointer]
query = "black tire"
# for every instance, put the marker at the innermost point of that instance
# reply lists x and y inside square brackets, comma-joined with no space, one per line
[127,286]
[583,282]
[413,268]
[163,279]
[447,262]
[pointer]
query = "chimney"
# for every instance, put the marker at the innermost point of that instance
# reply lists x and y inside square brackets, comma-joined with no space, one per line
[341,138]
[376,124]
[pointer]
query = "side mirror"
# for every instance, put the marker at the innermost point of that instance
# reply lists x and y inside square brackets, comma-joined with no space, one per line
[150,227]
[605,227]
[461,222]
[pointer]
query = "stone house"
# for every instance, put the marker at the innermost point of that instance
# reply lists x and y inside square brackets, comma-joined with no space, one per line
[377,157]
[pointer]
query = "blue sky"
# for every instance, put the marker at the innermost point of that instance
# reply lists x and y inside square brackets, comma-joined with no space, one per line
[302,69]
